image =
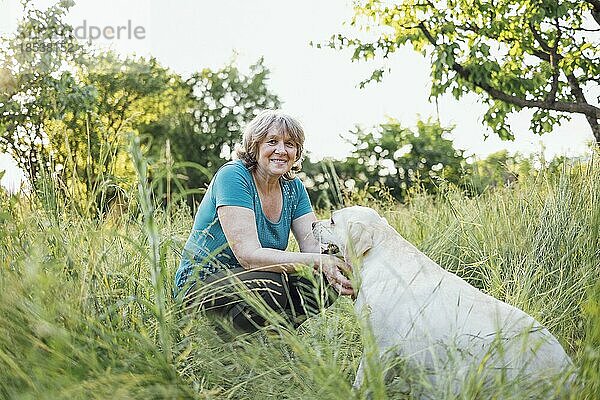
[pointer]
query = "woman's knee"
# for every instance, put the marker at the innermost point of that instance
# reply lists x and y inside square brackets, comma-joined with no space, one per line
[240,295]
[269,286]
[239,285]
[311,295]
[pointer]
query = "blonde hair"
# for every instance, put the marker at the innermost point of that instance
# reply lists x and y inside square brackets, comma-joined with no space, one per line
[257,130]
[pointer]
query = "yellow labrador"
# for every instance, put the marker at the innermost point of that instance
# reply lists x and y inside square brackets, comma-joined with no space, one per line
[431,317]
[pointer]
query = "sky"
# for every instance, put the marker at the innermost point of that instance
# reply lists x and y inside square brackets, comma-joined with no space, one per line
[318,86]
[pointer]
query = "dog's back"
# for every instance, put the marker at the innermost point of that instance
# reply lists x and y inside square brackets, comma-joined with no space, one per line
[433,319]
[440,322]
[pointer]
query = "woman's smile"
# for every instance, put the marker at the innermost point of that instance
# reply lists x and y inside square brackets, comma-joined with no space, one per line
[279,161]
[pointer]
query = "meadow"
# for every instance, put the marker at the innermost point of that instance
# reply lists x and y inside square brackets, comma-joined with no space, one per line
[86,310]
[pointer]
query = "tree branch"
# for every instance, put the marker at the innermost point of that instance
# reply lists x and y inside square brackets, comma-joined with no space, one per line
[595,10]
[475,29]
[554,57]
[427,34]
[538,38]
[563,106]
[595,3]
[581,29]
[580,97]
[551,98]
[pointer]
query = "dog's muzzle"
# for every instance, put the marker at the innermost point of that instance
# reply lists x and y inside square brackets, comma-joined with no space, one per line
[330,249]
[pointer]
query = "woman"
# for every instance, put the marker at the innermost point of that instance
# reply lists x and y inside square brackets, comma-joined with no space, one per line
[242,228]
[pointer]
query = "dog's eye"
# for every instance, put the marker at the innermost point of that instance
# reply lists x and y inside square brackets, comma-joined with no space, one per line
[331,220]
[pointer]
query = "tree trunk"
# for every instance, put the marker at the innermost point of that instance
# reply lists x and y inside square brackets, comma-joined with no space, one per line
[593,121]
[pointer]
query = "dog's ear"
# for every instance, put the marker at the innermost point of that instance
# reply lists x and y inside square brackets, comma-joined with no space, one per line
[359,241]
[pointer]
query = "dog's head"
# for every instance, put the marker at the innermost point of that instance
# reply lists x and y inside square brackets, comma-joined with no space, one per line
[351,231]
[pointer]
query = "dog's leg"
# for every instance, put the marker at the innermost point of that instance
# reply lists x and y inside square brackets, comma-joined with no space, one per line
[360,374]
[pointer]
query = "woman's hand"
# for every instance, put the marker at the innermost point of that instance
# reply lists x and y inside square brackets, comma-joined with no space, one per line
[332,268]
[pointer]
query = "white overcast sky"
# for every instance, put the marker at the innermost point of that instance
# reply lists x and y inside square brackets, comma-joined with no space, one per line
[319,86]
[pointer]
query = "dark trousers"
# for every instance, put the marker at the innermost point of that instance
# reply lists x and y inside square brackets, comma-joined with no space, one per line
[244,298]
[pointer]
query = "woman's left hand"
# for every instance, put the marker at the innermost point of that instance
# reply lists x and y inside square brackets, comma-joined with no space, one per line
[332,268]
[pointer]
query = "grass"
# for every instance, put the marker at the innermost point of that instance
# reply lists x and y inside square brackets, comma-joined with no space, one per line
[86,310]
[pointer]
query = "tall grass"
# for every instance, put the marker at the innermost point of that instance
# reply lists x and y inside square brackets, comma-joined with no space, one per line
[85,310]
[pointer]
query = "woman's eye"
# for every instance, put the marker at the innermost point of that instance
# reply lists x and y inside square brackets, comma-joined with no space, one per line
[290,144]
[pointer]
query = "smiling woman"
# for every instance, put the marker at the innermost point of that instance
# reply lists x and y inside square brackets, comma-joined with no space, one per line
[242,229]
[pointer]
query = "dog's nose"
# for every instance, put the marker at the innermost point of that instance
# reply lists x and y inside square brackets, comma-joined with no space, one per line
[314,224]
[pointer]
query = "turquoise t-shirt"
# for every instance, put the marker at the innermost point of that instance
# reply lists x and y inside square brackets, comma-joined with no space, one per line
[206,248]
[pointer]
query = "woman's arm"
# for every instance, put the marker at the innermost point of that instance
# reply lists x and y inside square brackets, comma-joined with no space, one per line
[239,227]
[302,230]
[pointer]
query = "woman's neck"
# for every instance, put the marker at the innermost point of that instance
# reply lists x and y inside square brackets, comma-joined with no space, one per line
[264,183]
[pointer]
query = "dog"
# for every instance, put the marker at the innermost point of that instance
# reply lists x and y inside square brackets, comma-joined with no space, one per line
[430,317]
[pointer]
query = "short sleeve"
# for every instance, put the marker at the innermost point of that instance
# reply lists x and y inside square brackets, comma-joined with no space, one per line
[232,188]
[303,206]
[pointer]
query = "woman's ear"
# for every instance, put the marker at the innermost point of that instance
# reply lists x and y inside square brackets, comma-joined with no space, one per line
[358,242]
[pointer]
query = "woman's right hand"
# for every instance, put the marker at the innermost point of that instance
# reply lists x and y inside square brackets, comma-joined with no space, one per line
[332,268]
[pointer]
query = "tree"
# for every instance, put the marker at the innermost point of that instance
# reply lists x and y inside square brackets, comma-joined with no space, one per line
[392,158]
[401,159]
[208,122]
[35,86]
[67,111]
[90,144]
[496,170]
[515,54]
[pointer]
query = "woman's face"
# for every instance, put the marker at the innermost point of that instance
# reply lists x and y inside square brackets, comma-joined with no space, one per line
[276,154]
